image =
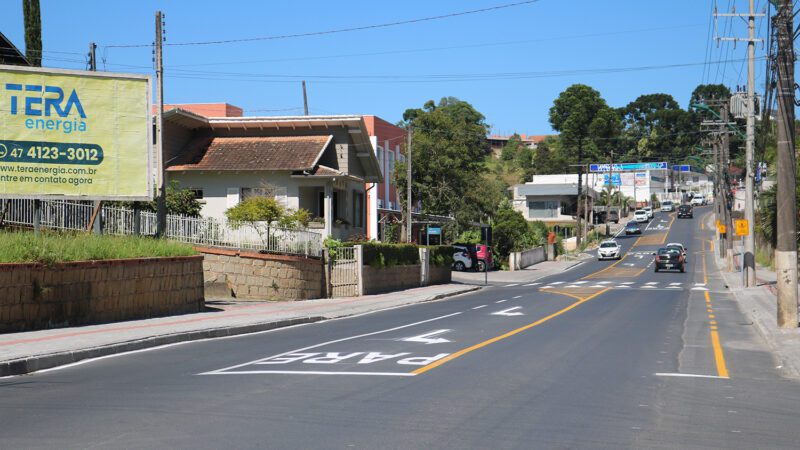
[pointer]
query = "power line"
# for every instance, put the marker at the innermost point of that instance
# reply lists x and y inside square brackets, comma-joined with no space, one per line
[339,30]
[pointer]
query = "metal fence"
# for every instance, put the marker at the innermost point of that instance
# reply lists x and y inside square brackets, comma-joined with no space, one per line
[74,215]
[345,272]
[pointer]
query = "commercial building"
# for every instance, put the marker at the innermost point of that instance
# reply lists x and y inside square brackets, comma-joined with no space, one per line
[553,199]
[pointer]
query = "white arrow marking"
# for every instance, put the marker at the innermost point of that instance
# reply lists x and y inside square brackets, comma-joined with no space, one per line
[509,312]
[629,264]
[428,338]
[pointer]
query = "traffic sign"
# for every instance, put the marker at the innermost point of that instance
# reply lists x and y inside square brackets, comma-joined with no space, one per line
[722,229]
[741,227]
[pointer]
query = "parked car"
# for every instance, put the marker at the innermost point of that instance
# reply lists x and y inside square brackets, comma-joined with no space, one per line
[641,215]
[667,206]
[609,249]
[669,259]
[649,211]
[464,257]
[680,247]
[484,254]
[685,211]
[632,228]
[600,217]
[698,201]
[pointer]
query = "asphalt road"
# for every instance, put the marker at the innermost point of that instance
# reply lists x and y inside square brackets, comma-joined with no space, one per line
[606,355]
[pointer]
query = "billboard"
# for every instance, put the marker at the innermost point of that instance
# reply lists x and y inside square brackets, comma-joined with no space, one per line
[616,179]
[74,134]
[626,167]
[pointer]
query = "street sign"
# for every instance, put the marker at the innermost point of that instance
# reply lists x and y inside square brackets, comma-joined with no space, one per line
[722,229]
[627,167]
[435,231]
[741,227]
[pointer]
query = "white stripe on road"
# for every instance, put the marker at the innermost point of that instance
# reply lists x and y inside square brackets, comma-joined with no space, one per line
[500,301]
[557,282]
[512,285]
[311,372]
[533,284]
[688,375]
[516,297]
[479,307]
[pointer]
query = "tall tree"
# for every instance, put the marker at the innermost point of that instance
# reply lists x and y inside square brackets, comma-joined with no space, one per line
[578,113]
[449,142]
[657,127]
[33,32]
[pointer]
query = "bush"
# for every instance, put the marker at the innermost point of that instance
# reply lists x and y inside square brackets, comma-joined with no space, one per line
[470,237]
[441,255]
[378,255]
[50,248]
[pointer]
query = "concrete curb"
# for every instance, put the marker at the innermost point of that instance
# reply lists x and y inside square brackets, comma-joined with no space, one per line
[31,364]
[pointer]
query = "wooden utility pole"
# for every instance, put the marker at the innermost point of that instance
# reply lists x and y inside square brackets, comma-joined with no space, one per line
[408,185]
[305,99]
[161,202]
[786,248]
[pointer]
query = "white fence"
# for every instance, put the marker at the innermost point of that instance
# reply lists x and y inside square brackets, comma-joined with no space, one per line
[71,215]
[527,258]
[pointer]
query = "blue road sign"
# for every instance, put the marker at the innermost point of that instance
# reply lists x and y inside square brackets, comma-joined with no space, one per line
[629,167]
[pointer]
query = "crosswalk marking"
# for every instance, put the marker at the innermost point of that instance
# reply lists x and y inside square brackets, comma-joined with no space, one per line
[512,285]
[533,284]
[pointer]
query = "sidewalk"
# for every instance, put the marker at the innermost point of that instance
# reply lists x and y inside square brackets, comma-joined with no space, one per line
[759,304]
[532,273]
[30,351]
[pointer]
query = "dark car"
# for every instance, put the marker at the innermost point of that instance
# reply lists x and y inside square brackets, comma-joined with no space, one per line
[603,217]
[670,258]
[633,228]
[685,211]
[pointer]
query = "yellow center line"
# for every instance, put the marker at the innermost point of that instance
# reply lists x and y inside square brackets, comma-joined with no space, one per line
[719,357]
[463,352]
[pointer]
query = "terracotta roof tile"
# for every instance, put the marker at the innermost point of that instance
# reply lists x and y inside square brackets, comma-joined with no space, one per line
[253,153]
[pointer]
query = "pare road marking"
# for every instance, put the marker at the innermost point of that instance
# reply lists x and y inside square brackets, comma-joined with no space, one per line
[428,338]
[509,312]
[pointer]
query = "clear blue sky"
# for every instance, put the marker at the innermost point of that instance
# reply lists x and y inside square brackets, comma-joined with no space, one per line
[549,36]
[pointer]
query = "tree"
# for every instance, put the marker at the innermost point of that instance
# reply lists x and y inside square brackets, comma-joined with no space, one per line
[655,127]
[33,32]
[449,142]
[509,229]
[579,113]
[260,213]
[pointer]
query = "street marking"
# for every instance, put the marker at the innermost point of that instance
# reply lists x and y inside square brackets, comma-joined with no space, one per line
[621,286]
[581,282]
[554,283]
[648,287]
[511,285]
[312,372]
[546,287]
[428,338]
[224,371]
[650,283]
[675,284]
[533,284]
[479,307]
[516,297]
[689,375]
[500,301]
[719,357]
[509,312]
[698,288]
[627,282]
[463,352]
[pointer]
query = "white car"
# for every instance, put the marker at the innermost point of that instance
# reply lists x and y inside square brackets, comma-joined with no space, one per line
[649,212]
[641,215]
[609,250]
[679,246]
[667,206]
[697,201]
[461,258]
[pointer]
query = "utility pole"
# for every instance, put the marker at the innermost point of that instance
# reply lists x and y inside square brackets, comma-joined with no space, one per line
[786,248]
[408,186]
[749,260]
[726,212]
[610,187]
[305,99]
[161,202]
[97,223]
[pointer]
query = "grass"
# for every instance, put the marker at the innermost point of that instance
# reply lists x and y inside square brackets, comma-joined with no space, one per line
[51,248]
[764,258]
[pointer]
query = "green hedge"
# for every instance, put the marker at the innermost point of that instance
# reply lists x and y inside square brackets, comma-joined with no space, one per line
[378,255]
[441,255]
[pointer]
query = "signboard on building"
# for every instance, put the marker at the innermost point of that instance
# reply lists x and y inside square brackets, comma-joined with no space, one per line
[628,167]
[641,178]
[74,134]
[434,231]
[616,179]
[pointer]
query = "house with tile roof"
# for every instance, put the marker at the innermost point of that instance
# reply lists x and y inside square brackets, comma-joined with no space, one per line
[319,163]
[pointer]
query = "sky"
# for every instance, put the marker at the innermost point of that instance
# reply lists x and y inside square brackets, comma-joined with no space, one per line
[510,63]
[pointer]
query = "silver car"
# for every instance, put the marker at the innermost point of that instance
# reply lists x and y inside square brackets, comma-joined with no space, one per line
[609,250]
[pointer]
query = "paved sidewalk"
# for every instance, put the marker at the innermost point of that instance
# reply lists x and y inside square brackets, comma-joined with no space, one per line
[30,351]
[532,273]
[759,304]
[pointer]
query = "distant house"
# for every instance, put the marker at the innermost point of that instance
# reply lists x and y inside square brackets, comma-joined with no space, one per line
[497,142]
[319,163]
[552,199]
[10,54]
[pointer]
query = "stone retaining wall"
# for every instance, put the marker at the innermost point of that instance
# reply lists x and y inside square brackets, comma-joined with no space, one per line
[250,275]
[440,274]
[35,296]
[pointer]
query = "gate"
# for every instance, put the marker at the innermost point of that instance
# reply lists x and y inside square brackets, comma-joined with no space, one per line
[345,267]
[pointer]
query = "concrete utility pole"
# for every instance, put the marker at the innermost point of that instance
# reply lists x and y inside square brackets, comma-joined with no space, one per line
[408,186]
[726,212]
[305,99]
[786,249]
[161,202]
[97,223]
[610,187]
[749,263]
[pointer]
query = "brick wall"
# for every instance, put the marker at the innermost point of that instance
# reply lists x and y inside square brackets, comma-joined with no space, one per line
[250,275]
[34,296]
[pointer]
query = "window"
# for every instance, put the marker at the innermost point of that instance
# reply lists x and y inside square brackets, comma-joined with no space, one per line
[542,209]
[197,192]
[390,166]
[321,205]
[358,209]
[277,192]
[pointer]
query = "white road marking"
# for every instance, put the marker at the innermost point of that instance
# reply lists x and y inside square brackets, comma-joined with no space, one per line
[479,307]
[349,338]
[651,283]
[556,283]
[627,282]
[428,338]
[699,289]
[516,297]
[547,287]
[675,284]
[603,282]
[509,312]
[648,287]
[621,286]
[312,372]
[572,286]
[533,284]
[511,285]
[688,375]
[581,282]
[500,301]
